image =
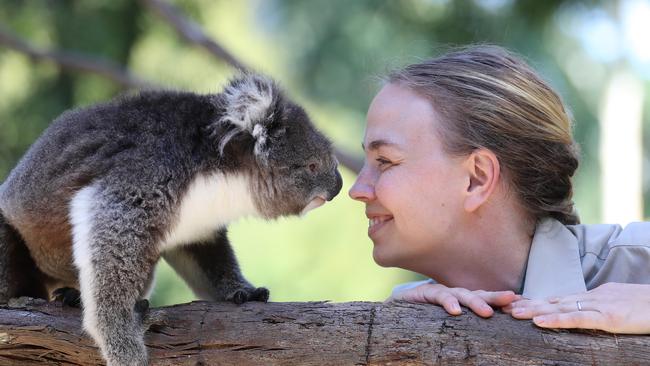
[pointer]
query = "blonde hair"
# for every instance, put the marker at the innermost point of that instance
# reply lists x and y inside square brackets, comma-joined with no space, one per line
[489,98]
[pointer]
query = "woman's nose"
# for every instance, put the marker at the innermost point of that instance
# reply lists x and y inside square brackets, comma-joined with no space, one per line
[363,188]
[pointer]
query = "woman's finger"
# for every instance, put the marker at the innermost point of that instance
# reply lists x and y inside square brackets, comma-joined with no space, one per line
[527,303]
[498,298]
[445,299]
[435,294]
[576,319]
[536,308]
[417,294]
[473,301]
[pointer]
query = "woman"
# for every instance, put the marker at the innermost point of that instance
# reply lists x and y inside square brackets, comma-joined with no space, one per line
[467,180]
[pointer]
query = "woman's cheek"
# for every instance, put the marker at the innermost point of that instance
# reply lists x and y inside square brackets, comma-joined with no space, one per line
[388,181]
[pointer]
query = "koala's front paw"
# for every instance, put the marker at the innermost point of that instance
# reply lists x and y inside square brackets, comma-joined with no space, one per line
[68,296]
[250,294]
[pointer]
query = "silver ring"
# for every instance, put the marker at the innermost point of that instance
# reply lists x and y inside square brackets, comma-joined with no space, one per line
[579,305]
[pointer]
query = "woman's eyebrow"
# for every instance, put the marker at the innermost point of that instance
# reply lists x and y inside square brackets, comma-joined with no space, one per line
[376,144]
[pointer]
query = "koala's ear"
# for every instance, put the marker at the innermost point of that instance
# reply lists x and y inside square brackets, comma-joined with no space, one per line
[250,102]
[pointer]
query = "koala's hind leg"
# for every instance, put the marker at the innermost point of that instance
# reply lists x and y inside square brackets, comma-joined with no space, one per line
[115,252]
[19,275]
[211,270]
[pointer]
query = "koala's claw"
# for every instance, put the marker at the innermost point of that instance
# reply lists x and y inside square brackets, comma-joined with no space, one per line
[261,294]
[244,295]
[68,296]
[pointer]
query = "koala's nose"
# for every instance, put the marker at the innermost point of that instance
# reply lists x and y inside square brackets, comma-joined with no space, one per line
[338,184]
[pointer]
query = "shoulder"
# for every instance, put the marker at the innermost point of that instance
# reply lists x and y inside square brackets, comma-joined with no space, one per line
[600,239]
[612,253]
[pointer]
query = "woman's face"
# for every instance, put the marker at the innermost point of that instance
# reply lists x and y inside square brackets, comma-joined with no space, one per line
[412,189]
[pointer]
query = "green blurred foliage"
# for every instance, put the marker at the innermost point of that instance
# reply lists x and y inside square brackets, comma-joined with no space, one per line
[330,56]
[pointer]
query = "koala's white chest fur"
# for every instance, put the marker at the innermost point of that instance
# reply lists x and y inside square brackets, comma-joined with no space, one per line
[210,202]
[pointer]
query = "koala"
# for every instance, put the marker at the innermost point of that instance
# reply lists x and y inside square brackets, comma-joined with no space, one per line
[109,189]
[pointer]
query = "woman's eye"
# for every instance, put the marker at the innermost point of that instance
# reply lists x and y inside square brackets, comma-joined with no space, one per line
[383,162]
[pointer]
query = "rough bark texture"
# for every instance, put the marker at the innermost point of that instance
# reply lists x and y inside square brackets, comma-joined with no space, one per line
[315,333]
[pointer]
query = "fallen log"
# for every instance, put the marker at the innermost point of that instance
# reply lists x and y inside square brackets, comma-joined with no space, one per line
[314,333]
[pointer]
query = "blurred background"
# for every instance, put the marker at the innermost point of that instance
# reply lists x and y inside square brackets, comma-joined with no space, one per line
[329,55]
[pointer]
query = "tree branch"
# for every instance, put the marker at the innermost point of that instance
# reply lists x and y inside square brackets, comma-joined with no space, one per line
[75,61]
[191,31]
[315,333]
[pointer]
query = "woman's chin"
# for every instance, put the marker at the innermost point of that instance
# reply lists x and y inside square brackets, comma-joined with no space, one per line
[381,258]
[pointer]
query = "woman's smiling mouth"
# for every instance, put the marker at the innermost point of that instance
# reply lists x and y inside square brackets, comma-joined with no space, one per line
[375,223]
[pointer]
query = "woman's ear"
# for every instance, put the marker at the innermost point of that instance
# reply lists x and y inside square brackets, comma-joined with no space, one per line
[483,172]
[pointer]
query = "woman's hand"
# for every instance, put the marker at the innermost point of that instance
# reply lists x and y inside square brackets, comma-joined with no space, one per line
[612,307]
[450,299]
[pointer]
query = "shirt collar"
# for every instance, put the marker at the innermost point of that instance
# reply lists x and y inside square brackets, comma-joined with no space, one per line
[554,267]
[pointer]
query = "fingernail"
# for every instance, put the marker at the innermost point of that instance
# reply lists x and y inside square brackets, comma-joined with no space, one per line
[455,307]
[539,320]
[517,311]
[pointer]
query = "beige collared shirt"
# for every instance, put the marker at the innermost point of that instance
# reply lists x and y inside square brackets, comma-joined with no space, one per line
[575,258]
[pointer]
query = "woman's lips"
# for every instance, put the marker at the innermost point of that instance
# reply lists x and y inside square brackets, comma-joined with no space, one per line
[375,223]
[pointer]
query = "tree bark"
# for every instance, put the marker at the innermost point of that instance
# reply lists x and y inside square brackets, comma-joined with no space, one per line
[314,333]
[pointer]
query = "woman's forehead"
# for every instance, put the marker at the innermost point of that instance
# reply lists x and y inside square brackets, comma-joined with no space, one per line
[399,116]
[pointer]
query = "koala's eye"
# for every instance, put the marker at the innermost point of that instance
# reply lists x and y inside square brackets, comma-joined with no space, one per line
[312,167]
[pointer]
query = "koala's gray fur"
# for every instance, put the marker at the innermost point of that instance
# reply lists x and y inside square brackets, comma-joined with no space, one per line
[108,189]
